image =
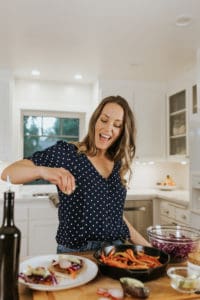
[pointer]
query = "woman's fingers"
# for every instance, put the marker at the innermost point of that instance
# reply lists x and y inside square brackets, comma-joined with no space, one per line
[60,177]
[67,182]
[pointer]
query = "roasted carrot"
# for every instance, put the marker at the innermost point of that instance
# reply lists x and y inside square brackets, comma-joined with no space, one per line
[129,260]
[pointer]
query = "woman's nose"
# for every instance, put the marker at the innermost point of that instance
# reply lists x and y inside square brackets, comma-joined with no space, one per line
[109,126]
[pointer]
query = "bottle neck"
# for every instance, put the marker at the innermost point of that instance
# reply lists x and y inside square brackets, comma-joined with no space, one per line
[8,214]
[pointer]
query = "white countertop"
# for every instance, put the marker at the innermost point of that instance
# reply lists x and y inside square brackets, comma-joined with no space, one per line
[176,196]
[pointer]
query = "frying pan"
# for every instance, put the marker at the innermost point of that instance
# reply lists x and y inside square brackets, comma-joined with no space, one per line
[143,275]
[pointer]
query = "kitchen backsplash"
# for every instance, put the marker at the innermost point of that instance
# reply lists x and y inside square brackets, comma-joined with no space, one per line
[145,176]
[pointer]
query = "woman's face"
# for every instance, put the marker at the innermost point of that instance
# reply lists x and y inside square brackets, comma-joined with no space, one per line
[109,126]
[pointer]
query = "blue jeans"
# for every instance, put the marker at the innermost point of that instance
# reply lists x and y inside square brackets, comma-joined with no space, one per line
[90,246]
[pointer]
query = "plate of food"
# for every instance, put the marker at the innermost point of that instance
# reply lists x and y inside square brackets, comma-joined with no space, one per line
[56,272]
[166,185]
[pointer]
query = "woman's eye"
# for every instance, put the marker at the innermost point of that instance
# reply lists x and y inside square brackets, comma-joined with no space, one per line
[118,125]
[103,120]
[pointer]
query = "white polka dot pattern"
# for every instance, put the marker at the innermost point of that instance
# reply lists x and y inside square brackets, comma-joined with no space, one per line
[94,211]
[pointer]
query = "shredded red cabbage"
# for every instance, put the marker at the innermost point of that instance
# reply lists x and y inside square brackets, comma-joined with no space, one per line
[178,250]
[39,279]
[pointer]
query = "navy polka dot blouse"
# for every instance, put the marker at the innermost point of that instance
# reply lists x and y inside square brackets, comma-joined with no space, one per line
[94,211]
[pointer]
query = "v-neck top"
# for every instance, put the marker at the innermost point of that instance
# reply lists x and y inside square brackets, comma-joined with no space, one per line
[94,212]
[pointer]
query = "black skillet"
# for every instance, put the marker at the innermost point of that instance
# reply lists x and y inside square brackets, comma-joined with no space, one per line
[143,275]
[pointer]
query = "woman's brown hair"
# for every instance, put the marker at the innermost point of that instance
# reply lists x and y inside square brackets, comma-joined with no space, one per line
[123,149]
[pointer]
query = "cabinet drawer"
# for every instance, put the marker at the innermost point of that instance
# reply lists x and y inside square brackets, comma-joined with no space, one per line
[196,182]
[195,220]
[47,212]
[167,221]
[167,210]
[183,216]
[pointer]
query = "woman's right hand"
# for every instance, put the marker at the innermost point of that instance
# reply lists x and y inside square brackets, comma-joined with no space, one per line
[24,171]
[60,177]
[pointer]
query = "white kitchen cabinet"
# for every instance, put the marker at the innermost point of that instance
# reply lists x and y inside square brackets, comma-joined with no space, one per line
[172,213]
[150,114]
[21,221]
[195,219]
[148,104]
[38,221]
[178,125]
[6,89]
[43,223]
[195,190]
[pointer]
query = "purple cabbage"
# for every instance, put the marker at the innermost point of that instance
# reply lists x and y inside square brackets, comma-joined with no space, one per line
[177,249]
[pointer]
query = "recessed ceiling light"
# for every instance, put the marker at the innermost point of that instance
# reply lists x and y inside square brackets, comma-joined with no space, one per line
[35,72]
[183,20]
[78,76]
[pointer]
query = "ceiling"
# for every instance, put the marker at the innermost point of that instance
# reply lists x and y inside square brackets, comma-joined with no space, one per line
[101,39]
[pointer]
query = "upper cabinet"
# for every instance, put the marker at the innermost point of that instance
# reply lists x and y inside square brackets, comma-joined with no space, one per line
[148,103]
[177,125]
[195,103]
[6,86]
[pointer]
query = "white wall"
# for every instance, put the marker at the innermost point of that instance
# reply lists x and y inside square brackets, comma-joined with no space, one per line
[146,175]
[48,96]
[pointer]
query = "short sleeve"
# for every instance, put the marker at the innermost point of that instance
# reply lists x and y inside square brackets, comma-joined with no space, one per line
[52,156]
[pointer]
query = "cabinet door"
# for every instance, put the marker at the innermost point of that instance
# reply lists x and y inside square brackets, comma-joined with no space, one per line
[148,104]
[150,115]
[177,125]
[42,236]
[21,221]
[195,219]
[5,118]
[43,223]
[182,216]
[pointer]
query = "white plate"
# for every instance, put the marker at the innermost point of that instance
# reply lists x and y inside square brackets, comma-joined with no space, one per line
[166,187]
[88,272]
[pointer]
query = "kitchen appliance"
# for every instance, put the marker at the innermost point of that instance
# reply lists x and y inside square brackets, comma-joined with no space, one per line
[140,214]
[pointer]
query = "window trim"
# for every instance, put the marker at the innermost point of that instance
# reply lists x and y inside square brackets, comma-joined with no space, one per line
[47,113]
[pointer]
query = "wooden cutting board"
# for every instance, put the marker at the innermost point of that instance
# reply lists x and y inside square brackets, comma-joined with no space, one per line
[159,290]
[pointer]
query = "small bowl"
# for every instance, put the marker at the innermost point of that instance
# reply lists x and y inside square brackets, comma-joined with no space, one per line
[193,268]
[176,240]
[183,280]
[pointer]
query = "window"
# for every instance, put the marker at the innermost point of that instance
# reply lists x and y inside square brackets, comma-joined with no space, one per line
[44,129]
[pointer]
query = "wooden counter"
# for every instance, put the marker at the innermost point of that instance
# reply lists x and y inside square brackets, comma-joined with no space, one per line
[159,289]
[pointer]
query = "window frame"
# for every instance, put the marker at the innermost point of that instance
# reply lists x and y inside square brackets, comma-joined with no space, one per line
[57,114]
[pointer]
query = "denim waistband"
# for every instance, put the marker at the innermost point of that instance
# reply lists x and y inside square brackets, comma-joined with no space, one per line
[89,246]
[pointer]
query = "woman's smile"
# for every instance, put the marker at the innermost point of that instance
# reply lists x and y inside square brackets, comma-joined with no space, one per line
[109,126]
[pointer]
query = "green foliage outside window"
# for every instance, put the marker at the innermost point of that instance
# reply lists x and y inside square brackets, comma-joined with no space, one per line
[41,132]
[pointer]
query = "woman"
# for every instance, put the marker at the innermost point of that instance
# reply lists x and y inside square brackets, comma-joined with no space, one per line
[90,178]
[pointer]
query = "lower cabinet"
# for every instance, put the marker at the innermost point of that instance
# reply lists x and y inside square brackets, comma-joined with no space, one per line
[21,222]
[38,221]
[172,213]
[195,219]
[43,222]
[42,237]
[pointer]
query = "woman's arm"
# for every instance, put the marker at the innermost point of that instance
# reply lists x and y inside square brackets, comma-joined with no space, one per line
[25,170]
[135,236]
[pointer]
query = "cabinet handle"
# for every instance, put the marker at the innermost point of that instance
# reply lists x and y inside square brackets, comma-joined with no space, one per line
[139,208]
